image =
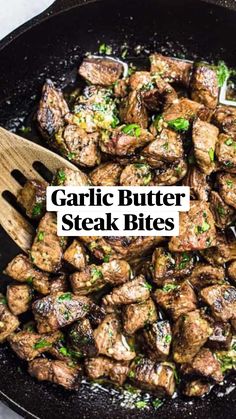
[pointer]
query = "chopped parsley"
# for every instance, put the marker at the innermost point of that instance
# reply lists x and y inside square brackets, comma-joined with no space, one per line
[179,124]
[96,273]
[184,260]
[25,130]
[71,156]
[64,351]
[132,129]
[229,183]
[157,122]
[3,300]
[37,209]
[157,403]
[61,177]
[141,404]
[42,343]
[40,236]
[220,210]
[105,49]
[229,141]
[211,154]
[106,258]
[203,228]
[131,374]
[222,72]
[148,286]
[166,146]
[228,164]
[67,296]
[169,287]
[29,280]
[168,338]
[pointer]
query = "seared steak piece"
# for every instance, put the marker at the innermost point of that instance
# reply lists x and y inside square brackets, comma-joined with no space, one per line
[58,372]
[203,275]
[171,70]
[138,174]
[133,110]
[225,118]
[197,181]
[153,376]
[116,272]
[196,388]
[223,213]
[176,301]
[222,253]
[52,109]
[32,197]
[222,301]
[232,271]
[136,316]
[75,255]
[221,337]
[70,177]
[190,333]
[169,175]
[125,140]
[187,109]
[96,314]
[204,85]
[81,338]
[110,340]
[8,322]
[30,345]
[197,229]
[140,79]
[227,188]
[204,142]
[47,248]
[170,265]
[107,174]
[226,153]
[120,88]
[167,148]
[22,270]
[101,71]
[59,283]
[134,291]
[78,146]
[105,367]
[59,310]
[158,338]
[164,93]
[204,364]
[88,280]
[19,298]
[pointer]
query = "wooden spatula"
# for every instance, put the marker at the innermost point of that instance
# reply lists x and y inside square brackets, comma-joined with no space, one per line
[17,153]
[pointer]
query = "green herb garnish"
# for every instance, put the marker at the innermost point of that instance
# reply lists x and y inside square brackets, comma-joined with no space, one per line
[211,154]
[148,286]
[96,274]
[157,403]
[61,177]
[67,296]
[179,124]
[71,156]
[168,338]
[37,209]
[222,72]
[220,210]
[3,300]
[169,287]
[106,258]
[203,228]
[105,49]
[184,260]
[229,183]
[132,129]
[141,404]
[40,236]
[42,343]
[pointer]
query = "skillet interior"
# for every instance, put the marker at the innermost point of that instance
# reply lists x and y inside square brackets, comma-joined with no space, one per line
[53,48]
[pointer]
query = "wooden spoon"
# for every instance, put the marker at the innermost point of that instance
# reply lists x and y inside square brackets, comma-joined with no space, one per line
[17,153]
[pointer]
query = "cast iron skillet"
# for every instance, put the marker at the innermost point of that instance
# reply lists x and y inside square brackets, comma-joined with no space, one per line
[51,46]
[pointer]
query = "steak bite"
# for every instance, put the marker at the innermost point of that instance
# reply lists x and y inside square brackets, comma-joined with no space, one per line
[204,86]
[70,177]
[59,283]
[110,340]
[222,301]
[47,248]
[105,367]
[187,109]
[223,213]
[134,291]
[197,229]
[58,372]
[78,146]
[22,270]
[30,345]
[223,252]
[8,321]
[32,197]
[232,271]
[170,174]
[176,300]
[170,69]
[81,338]
[226,153]
[221,337]
[136,316]
[158,339]
[59,310]
[19,298]
[168,265]
[101,71]
[137,174]
[204,142]
[227,188]
[124,140]
[96,315]
[190,333]
[52,109]
[153,376]
[197,181]
[107,174]
[88,280]
[225,119]
[196,388]
[133,110]
[116,272]
[205,365]
[75,255]
[166,148]
[203,275]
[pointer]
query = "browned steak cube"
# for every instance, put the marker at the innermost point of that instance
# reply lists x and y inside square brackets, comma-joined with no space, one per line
[187,109]
[81,339]
[47,248]
[32,197]
[204,142]
[226,153]
[52,109]
[223,252]
[225,118]
[19,298]
[134,291]
[116,272]
[171,70]
[137,174]
[197,181]
[221,337]
[59,283]
[8,322]
[107,174]
[232,271]
[106,367]
[223,214]
[196,388]
[158,338]
[170,265]
[121,88]
[136,316]
[227,188]
[125,140]
[88,280]
[101,71]
[58,372]
[133,110]
[75,255]
[59,310]
[222,301]
[190,333]
[204,364]
[203,275]
[170,174]
[197,229]
[70,177]
[140,79]
[204,85]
